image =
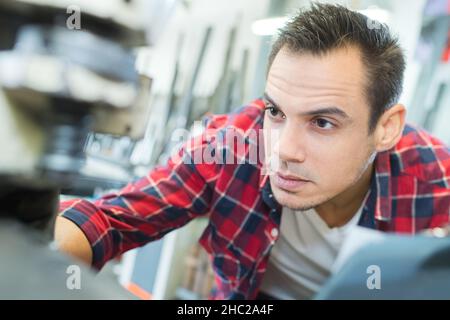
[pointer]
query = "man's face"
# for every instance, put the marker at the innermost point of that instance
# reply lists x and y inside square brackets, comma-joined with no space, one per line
[316,126]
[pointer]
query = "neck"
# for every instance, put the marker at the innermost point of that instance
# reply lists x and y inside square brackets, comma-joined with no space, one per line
[341,209]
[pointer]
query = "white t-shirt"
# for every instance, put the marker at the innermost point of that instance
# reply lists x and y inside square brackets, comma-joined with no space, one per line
[302,258]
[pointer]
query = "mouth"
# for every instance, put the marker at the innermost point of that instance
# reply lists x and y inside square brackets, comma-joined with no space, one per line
[289,182]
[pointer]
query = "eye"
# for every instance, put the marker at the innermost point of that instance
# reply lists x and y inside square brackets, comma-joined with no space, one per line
[274,113]
[323,124]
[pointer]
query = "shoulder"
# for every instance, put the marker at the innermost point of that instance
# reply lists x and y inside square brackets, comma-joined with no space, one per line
[225,142]
[420,154]
[245,118]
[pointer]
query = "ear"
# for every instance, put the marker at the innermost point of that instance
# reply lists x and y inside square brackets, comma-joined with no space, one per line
[390,127]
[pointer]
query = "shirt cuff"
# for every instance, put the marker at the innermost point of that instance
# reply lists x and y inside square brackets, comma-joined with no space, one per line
[96,233]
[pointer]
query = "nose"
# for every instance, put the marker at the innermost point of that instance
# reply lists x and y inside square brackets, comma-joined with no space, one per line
[290,144]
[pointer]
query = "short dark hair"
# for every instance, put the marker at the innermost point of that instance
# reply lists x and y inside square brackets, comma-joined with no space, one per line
[325,27]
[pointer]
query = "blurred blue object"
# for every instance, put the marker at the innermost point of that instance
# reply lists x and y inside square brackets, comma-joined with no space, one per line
[437,7]
[407,268]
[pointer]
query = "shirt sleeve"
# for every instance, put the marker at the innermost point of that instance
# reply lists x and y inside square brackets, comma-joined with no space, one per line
[167,198]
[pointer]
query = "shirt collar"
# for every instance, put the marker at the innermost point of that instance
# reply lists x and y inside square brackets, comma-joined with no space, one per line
[267,194]
[382,185]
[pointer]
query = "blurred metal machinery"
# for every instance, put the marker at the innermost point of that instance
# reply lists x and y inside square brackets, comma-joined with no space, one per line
[67,69]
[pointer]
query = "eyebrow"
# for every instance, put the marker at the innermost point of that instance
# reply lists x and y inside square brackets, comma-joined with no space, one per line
[322,111]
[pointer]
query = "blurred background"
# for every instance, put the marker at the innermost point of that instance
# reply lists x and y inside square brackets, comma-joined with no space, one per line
[210,57]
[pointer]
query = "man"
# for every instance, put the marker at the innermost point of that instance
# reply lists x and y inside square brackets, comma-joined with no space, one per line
[342,155]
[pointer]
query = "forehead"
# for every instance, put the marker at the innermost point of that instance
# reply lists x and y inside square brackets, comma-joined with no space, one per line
[336,77]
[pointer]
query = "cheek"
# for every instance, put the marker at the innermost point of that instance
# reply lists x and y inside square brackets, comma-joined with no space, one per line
[338,162]
[267,143]
[270,139]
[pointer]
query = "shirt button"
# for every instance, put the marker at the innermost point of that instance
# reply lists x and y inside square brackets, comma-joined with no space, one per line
[270,195]
[274,232]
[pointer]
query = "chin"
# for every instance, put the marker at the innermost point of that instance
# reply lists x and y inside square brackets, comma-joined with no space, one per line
[295,201]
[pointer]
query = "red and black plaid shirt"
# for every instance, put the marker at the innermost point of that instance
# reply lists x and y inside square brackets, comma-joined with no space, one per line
[409,192]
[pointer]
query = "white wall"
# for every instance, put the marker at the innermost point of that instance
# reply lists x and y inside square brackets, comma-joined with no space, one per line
[193,23]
